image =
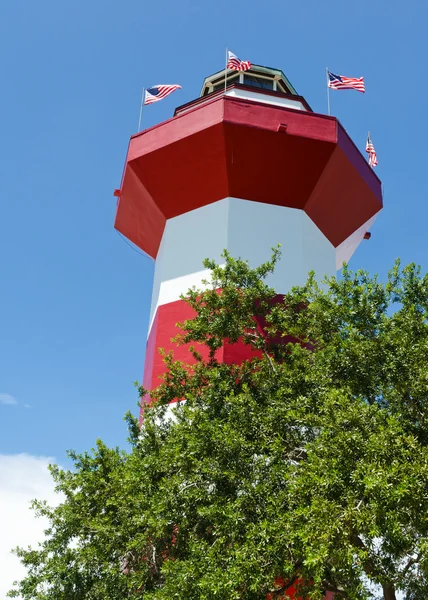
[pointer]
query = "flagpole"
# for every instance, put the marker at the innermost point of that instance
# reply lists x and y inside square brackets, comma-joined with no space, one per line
[328,91]
[225,73]
[368,142]
[141,111]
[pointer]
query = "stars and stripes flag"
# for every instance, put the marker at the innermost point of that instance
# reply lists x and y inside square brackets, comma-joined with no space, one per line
[370,149]
[339,82]
[235,64]
[159,92]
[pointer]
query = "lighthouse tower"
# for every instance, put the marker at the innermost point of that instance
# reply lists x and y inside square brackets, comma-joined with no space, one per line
[243,167]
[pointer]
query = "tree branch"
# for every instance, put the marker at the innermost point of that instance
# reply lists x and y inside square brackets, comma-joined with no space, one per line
[388,591]
[412,561]
[369,566]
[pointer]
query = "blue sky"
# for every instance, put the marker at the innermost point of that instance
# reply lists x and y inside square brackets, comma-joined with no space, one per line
[74,297]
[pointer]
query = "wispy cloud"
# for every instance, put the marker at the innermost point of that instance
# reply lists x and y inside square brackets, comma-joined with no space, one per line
[7,399]
[22,478]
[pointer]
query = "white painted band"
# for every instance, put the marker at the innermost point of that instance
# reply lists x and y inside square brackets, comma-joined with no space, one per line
[265,98]
[347,248]
[246,229]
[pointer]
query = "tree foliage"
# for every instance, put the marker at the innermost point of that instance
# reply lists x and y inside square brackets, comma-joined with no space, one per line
[306,465]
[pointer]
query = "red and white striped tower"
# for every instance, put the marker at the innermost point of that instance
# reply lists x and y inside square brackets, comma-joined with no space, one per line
[241,169]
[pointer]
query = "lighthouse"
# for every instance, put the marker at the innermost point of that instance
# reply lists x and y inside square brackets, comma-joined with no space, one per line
[245,166]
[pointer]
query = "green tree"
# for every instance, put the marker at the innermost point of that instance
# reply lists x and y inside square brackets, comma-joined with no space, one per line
[306,465]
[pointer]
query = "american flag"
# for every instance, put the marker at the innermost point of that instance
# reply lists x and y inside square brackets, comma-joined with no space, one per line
[370,149]
[159,92]
[235,64]
[339,82]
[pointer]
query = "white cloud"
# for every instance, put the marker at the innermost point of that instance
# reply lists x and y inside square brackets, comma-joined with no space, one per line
[7,399]
[22,479]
